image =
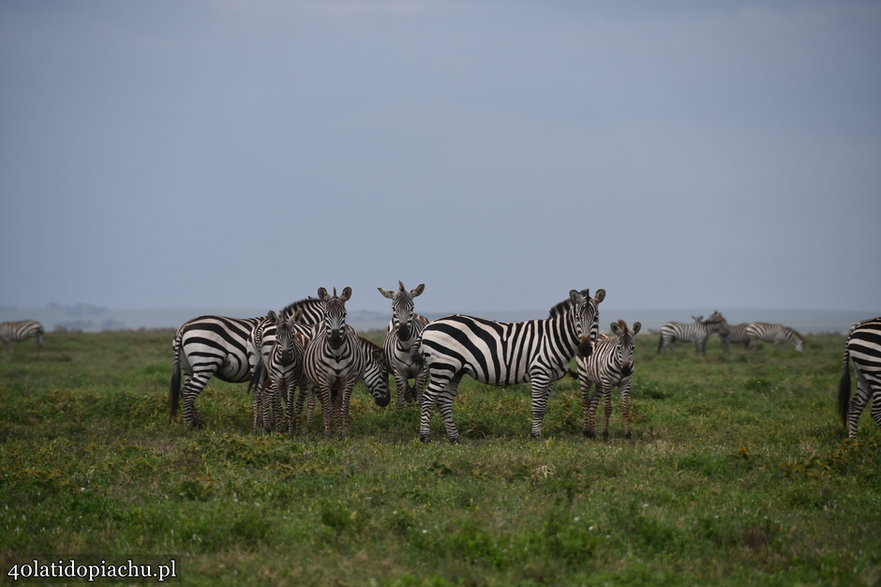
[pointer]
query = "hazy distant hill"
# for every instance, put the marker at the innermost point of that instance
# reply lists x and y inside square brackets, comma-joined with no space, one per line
[90,318]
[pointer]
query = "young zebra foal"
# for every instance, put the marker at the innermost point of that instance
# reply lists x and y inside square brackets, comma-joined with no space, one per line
[404,329]
[610,365]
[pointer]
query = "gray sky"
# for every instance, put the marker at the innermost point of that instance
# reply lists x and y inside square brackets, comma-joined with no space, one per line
[235,153]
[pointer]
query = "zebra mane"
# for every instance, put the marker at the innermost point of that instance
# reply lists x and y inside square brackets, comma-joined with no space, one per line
[301,305]
[563,306]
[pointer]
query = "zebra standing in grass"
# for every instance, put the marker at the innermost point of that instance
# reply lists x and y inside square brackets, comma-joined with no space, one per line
[698,332]
[335,360]
[863,351]
[736,334]
[776,333]
[609,365]
[403,331]
[20,331]
[204,347]
[500,353]
[278,345]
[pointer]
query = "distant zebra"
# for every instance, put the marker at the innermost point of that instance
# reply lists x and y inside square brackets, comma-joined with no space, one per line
[863,351]
[776,333]
[404,329]
[609,365]
[500,353]
[335,360]
[204,347]
[21,330]
[698,332]
[737,335]
[278,344]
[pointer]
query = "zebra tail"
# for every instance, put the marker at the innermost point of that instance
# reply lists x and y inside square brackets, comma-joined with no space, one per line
[257,376]
[174,393]
[844,388]
[417,355]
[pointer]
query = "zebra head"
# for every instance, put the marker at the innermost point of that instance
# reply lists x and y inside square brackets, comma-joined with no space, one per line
[335,315]
[626,344]
[717,323]
[402,308]
[584,313]
[286,337]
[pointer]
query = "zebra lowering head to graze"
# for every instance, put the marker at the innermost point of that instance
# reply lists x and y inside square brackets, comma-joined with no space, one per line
[20,331]
[609,365]
[737,335]
[863,351]
[502,353]
[277,364]
[697,332]
[335,360]
[403,331]
[776,333]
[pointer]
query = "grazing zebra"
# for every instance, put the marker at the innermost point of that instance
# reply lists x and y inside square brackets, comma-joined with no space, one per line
[698,332]
[20,331]
[500,353]
[204,347]
[736,334]
[609,365]
[278,345]
[776,333]
[863,351]
[335,360]
[404,329]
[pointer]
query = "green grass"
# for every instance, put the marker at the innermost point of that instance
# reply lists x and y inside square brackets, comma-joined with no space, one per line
[738,472]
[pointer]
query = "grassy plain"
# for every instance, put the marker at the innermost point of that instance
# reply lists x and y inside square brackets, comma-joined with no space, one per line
[738,473]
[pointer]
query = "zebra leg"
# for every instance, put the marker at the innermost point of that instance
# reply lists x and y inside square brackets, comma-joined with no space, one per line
[400,389]
[255,408]
[192,388]
[419,385]
[857,405]
[305,388]
[876,407]
[540,390]
[607,409]
[589,406]
[326,408]
[345,399]
[445,406]
[624,387]
[277,414]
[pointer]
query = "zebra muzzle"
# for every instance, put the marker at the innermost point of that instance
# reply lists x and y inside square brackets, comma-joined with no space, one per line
[626,369]
[335,339]
[584,347]
[403,332]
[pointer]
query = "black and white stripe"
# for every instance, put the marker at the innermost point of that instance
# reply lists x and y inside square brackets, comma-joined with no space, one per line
[776,333]
[21,330]
[863,351]
[698,332]
[736,334]
[609,365]
[334,361]
[501,353]
[277,344]
[403,331]
[205,347]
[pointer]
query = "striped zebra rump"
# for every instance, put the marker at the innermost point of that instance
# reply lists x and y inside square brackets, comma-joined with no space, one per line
[500,353]
[610,365]
[20,331]
[205,347]
[862,351]
[778,334]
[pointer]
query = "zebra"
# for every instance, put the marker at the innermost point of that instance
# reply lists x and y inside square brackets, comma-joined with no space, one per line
[335,360]
[204,347]
[609,365]
[776,333]
[500,353]
[277,344]
[863,351]
[20,331]
[698,332]
[736,334]
[374,375]
[403,330]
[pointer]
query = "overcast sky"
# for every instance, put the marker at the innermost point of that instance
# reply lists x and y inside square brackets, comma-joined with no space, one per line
[243,153]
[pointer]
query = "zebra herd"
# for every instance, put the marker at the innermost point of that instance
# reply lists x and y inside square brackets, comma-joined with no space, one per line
[746,334]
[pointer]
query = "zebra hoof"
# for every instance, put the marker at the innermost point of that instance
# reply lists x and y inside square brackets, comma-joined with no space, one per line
[454,440]
[628,436]
[535,434]
[589,433]
[425,438]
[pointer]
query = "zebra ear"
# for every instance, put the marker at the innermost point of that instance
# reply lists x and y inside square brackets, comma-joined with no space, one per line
[417,290]
[322,294]
[271,316]
[616,330]
[347,293]
[573,296]
[386,293]
[599,296]
[636,326]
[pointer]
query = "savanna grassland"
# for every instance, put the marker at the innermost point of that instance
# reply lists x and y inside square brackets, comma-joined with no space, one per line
[738,473]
